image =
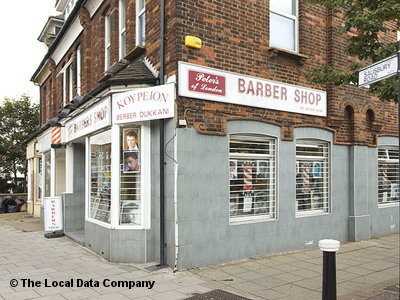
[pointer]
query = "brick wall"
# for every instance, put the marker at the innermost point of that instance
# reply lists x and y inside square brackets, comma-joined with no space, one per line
[235,36]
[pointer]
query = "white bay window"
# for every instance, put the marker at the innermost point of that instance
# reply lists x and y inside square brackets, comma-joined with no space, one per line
[100,177]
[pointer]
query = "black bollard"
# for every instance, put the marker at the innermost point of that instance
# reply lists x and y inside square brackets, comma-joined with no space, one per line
[329,248]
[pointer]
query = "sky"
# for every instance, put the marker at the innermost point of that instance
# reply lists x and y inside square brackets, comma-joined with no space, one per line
[21,22]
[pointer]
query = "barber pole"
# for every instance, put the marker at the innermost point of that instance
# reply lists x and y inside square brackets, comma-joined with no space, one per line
[385,176]
[56,136]
[247,187]
[248,177]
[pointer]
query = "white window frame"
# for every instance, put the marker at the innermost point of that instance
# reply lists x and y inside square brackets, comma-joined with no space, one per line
[115,180]
[88,181]
[107,42]
[295,18]
[139,13]
[122,28]
[145,152]
[326,160]
[78,71]
[387,160]
[272,159]
[67,78]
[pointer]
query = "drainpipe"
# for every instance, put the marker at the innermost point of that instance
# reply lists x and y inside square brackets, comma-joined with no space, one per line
[162,140]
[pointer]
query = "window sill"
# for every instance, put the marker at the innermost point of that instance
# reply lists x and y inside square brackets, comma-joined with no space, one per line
[97,222]
[389,204]
[274,52]
[248,220]
[306,214]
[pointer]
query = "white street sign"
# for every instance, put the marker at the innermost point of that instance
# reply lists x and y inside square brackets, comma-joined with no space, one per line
[378,71]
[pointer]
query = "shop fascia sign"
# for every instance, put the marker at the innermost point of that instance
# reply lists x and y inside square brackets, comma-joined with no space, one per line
[144,104]
[216,85]
[93,119]
[378,71]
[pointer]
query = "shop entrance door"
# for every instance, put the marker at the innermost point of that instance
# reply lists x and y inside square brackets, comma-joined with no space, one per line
[74,203]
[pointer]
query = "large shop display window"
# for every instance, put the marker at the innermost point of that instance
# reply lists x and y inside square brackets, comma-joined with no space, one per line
[252,177]
[388,175]
[312,177]
[130,181]
[47,174]
[100,176]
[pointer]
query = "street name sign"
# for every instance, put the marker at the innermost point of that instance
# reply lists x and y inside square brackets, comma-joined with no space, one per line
[378,71]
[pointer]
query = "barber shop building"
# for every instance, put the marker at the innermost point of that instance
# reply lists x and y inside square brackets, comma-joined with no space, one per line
[186,133]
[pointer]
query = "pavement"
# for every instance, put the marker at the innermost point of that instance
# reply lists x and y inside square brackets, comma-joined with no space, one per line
[33,267]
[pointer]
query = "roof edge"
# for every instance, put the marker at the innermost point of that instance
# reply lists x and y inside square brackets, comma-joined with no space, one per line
[59,37]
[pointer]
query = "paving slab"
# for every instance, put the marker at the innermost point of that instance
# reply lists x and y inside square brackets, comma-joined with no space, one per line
[364,270]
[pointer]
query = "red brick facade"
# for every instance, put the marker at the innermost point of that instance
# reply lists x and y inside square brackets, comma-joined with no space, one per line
[235,38]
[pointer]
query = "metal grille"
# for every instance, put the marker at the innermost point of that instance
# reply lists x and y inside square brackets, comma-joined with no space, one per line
[252,177]
[312,177]
[100,185]
[130,198]
[388,175]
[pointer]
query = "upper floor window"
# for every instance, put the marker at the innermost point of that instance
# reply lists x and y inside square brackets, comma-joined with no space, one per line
[283,24]
[122,29]
[68,8]
[312,177]
[107,42]
[78,71]
[252,177]
[67,77]
[140,22]
[388,174]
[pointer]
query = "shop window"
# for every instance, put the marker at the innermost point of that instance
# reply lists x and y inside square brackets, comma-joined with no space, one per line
[130,209]
[312,177]
[100,176]
[283,24]
[140,23]
[252,177]
[388,175]
[39,178]
[47,174]
[122,29]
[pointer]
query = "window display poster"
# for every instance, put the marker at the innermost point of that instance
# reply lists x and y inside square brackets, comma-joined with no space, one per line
[131,162]
[130,152]
[394,190]
[131,139]
[317,169]
[233,169]
[262,169]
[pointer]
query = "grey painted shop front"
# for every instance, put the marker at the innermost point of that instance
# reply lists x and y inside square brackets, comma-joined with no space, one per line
[206,233]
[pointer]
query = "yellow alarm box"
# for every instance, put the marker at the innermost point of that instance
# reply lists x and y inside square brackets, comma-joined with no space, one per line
[192,42]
